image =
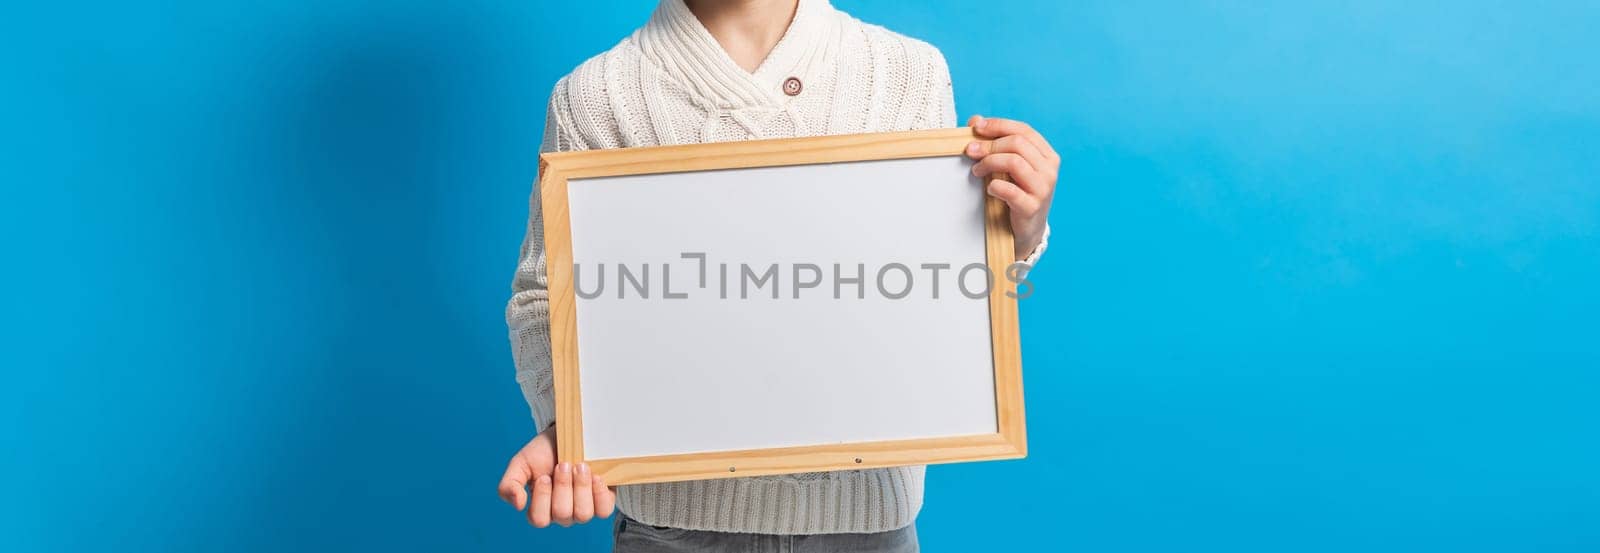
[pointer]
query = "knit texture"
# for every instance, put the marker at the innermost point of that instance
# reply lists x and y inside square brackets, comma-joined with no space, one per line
[671,83]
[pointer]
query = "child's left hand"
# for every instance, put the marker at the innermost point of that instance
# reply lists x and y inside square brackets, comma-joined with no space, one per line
[1031,166]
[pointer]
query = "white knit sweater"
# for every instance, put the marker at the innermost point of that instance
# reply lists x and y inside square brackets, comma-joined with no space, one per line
[671,83]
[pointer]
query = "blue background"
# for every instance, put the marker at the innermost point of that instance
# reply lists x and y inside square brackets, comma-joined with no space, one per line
[1325,275]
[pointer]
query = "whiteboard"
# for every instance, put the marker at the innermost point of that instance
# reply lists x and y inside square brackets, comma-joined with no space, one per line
[788,371]
[792,305]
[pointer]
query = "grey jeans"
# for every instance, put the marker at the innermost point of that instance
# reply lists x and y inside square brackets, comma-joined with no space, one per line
[632,536]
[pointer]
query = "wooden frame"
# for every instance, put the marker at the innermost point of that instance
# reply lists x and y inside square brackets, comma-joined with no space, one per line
[555,169]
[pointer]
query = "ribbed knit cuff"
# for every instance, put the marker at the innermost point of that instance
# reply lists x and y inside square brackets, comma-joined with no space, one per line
[1038,251]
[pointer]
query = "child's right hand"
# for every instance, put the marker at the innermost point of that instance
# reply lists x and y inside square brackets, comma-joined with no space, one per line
[565,494]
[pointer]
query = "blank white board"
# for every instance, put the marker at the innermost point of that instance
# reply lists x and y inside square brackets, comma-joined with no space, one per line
[706,373]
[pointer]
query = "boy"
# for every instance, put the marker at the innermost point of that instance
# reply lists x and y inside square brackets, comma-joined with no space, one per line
[721,70]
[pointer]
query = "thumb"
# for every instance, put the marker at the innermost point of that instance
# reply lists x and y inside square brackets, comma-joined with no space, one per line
[514,483]
[534,459]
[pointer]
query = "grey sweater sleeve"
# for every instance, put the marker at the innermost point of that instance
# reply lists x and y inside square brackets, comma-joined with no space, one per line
[528,312]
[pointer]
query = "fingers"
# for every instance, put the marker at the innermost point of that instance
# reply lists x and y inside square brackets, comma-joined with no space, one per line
[605,500]
[1020,202]
[1009,143]
[1024,141]
[574,495]
[1015,145]
[1018,151]
[1037,175]
[995,127]
[535,458]
[539,509]
[582,494]
[561,496]
[513,485]
[1013,165]
[1023,169]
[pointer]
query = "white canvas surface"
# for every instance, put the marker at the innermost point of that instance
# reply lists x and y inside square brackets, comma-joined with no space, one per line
[704,373]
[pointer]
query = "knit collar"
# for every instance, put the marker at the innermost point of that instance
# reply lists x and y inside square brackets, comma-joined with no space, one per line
[678,43]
